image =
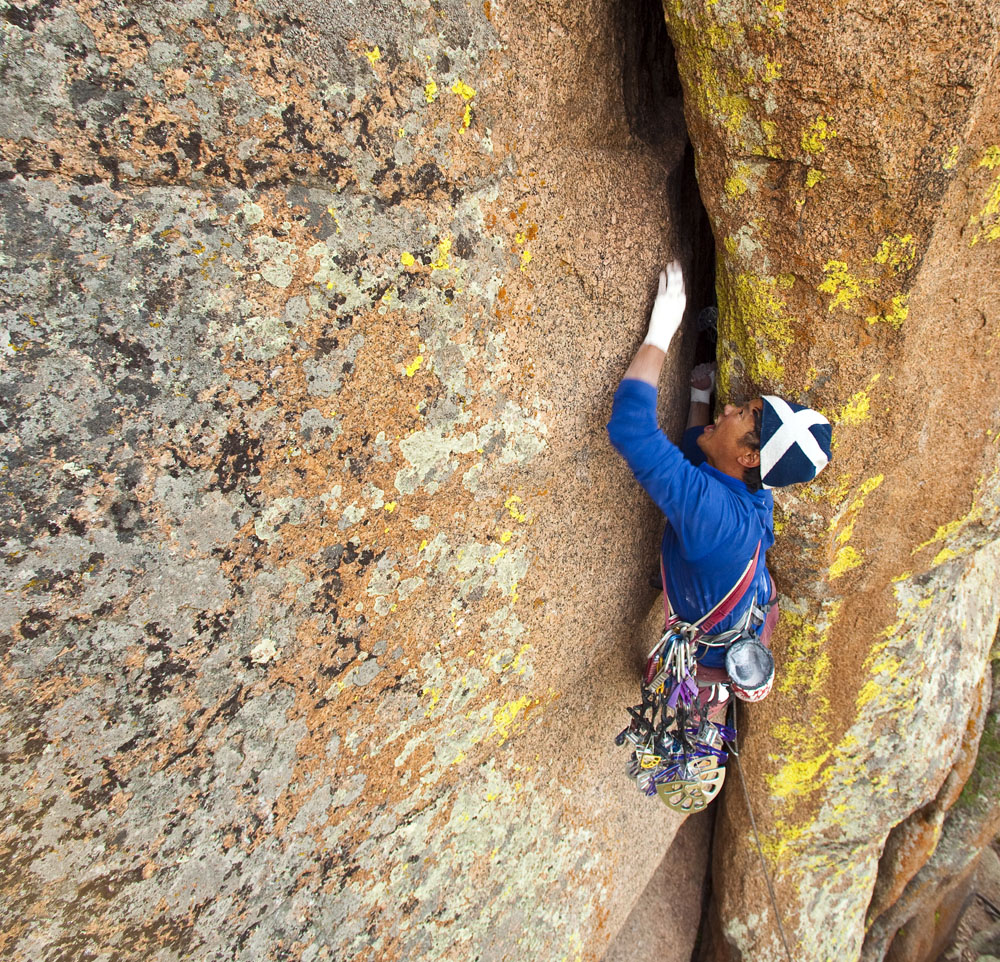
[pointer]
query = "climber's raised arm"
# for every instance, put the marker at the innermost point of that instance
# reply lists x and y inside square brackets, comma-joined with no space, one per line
[668,311]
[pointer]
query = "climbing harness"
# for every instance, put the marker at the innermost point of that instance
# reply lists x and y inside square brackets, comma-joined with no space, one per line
[680,748]
[678,744]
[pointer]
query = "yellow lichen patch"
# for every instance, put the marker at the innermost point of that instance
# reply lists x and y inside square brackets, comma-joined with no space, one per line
[441,262]
[846,533]
[735,108]
[720,88]
[949,159]
[772,71]
[869,692]
[719,37]
[697,54]
[407,259]
[754,317]
[802,746]
[414,365]
[781,841]
[850,512]
[866,489]
[945,554]
[738,182]
[887,634]
[806,664]
[988,218]
[889,666]
[466,118]
[839,491]
[430,91]
[463,90]
[840,284]
[898,311]
[798,777]
[504,718]
[511,504]
[516,666]
[434,696]
[525,259]
[856,409]
[945,531]
[847,558]
[815,136]
[373,55]
[897,251]
[813,178]
[735,186]
[889,676]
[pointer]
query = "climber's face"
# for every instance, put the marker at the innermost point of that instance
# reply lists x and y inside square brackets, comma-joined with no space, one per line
[726,444]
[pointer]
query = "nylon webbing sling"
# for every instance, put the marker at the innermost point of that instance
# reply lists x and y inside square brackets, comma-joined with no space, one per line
[724,608]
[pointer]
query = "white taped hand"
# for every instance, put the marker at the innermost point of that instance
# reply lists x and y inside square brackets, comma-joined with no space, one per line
[668,308]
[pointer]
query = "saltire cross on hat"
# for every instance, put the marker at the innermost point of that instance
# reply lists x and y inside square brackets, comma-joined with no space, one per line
[794,443]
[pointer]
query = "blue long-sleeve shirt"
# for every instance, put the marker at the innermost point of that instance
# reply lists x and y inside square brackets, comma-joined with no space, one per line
[714,521]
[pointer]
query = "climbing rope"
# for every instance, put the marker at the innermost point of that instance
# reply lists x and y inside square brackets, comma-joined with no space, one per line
[756,837]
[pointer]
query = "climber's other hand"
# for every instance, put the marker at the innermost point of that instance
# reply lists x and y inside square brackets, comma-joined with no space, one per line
[703,377]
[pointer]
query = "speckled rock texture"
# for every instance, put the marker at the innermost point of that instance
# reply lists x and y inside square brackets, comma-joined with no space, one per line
[323,591]
[849,162]
[664,923]
[913,924]
[978,930]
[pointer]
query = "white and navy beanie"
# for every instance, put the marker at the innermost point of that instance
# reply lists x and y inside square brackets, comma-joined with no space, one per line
[794,443]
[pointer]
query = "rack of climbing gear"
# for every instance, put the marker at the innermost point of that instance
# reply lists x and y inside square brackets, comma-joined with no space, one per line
[678,743]
[678,751]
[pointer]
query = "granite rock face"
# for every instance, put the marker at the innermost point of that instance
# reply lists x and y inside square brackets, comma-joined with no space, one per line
[849,163]
[323,590]
[925,907]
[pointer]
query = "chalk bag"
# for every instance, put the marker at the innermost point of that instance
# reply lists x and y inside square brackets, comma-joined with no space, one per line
[750,666]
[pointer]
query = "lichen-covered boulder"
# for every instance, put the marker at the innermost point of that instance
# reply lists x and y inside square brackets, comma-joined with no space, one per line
[324,593]
[920,905]
[849,164]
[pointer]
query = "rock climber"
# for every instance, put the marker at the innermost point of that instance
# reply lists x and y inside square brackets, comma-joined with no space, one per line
[714,488]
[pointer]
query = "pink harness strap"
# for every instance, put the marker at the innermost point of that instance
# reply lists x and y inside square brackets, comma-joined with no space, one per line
[723,608]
